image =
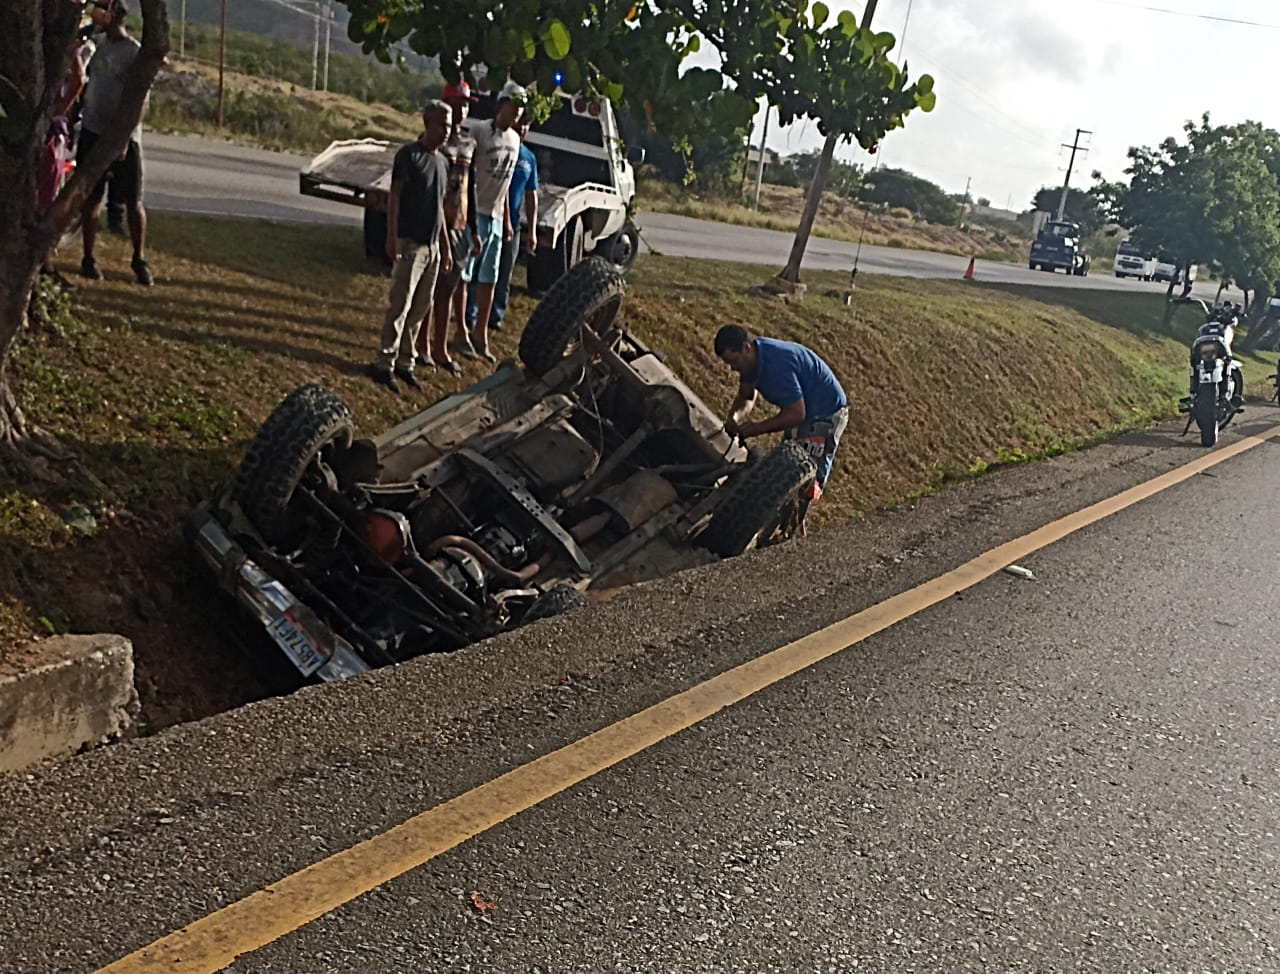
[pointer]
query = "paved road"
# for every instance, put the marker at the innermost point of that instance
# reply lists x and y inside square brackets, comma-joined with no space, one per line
[1072,773]
[202,176]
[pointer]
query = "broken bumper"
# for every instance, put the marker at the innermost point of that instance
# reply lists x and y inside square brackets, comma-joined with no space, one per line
[305,639]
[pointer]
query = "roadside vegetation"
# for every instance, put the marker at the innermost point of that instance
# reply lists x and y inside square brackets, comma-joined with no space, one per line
[158,392]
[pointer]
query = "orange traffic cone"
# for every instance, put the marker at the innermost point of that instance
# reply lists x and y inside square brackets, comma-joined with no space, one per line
[968,274]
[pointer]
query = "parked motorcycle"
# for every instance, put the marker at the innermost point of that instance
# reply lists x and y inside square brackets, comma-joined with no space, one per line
[1217,380]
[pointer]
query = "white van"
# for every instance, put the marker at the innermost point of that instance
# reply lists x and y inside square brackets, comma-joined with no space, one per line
[1130,262]
[1168,271]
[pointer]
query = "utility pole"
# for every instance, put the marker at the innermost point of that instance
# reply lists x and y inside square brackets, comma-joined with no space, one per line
[328,27]
[182,32]
[964,202]
[315,49]
[1066,183]
[790,275]
[222,59]
[762,150]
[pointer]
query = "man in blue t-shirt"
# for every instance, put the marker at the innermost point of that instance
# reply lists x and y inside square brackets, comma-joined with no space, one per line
[524,189]
[812,407]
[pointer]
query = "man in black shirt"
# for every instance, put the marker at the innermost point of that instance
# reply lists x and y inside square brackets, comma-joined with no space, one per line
[417,244]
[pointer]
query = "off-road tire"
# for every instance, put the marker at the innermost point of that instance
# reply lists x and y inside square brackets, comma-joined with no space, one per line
[308,419]
[557,600]
[588,296]
[756,502]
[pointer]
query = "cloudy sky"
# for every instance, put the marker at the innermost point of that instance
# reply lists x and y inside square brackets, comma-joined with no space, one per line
[1016,78]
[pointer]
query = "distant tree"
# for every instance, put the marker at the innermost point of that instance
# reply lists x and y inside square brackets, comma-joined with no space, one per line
[897,187]
[1083,207]
[984,201]
[844,179]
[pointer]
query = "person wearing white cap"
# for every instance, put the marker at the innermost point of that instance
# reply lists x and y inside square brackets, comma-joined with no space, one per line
[497,149]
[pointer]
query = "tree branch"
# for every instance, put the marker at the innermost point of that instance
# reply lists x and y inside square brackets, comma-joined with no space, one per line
[112,142]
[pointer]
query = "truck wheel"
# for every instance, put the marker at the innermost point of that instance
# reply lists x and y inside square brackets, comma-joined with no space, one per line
[1032,265]
[589,296]
[548,266]
[623,247]
[375,235]
[758,502]
[299,439]
[555,601]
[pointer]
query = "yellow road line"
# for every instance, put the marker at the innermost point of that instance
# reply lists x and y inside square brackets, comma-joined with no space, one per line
[212,942]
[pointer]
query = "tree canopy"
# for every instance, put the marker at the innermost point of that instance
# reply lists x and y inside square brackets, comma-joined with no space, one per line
[1213,198]
[897,187]
[806,63]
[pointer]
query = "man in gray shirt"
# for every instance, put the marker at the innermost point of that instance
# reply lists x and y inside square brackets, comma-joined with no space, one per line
[112,59]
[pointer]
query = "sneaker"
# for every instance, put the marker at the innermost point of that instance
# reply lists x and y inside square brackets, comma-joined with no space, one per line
[383,378]
[408,378]
[142,272]
[89,269]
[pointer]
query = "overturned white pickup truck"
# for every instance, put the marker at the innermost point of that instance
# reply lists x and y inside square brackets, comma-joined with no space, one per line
[586,185]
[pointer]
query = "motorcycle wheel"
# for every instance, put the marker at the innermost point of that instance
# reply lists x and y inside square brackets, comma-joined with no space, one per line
[1205,411]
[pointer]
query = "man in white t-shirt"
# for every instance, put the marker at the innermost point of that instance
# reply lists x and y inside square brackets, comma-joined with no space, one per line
[497,149]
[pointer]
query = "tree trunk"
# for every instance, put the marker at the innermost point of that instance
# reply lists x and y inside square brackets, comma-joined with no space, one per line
[811,203]
[35,49]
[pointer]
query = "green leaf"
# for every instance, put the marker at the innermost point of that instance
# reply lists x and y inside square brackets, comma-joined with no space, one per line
[694,45]
[820,13]
[848,23]
[884,41]
[528,46]
[613,91]
[927,101]
[924,84]
[555,40]
[784,24]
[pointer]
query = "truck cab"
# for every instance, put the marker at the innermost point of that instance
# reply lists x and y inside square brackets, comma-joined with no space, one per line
[1132,262]
[586,184]
[1058,245]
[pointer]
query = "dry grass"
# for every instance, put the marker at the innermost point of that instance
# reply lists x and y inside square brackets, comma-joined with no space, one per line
[838,219]
[159,390]
[266,112]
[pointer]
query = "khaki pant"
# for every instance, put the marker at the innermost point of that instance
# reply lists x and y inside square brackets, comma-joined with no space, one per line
[413,279]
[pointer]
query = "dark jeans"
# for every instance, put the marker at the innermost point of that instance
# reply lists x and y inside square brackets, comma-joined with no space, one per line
[501,287]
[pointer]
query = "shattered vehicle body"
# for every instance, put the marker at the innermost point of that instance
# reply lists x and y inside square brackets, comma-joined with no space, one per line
[586,466]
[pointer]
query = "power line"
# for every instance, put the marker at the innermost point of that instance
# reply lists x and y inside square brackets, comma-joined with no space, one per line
[1188,13]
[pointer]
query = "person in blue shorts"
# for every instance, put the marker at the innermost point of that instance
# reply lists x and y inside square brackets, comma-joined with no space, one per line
[812,406]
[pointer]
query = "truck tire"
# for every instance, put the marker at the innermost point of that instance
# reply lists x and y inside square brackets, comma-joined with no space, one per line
[1032,265]
[305,429]
[555,601]
[375,235]
[623,247]
[548,266]
[757,502]
[589,296]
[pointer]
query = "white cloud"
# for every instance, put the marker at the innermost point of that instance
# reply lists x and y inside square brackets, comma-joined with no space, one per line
[1015,78]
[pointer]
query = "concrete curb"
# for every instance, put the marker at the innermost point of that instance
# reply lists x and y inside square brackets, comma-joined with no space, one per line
[85,696]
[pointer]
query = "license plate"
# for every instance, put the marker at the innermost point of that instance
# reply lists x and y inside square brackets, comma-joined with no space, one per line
[297,645]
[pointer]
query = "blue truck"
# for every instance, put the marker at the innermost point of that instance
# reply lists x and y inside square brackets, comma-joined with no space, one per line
[1058,246]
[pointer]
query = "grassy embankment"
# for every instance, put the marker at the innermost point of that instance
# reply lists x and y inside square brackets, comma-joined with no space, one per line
[159,390]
